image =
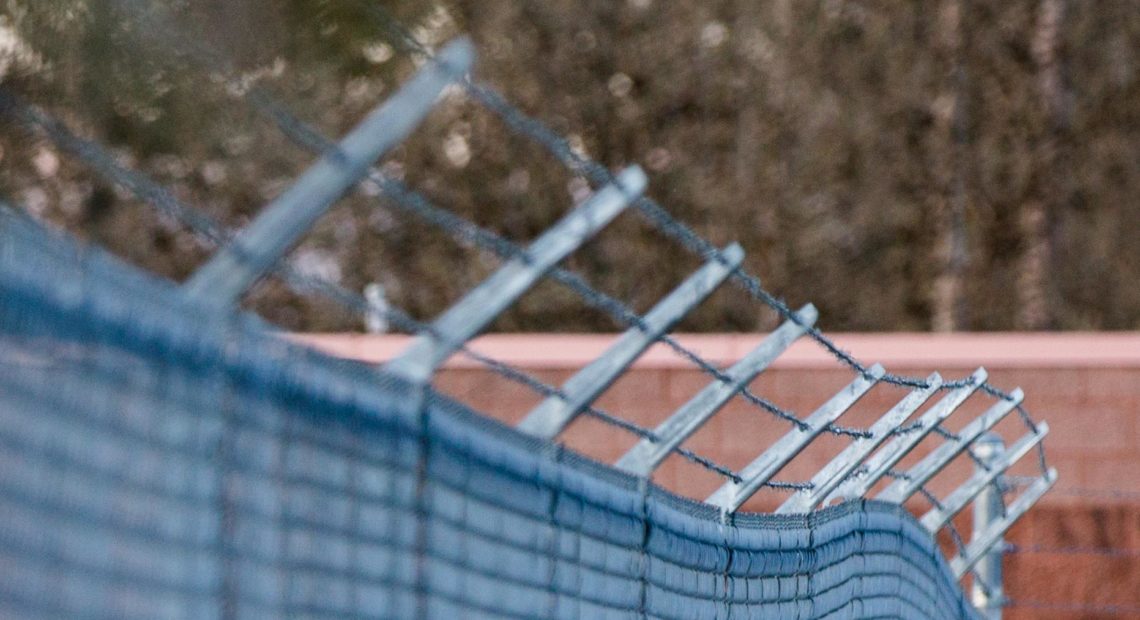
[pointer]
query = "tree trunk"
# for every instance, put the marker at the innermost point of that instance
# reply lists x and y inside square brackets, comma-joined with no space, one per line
[1033,270]
[947,160]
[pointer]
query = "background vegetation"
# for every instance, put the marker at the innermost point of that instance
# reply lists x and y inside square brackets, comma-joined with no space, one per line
[906,165]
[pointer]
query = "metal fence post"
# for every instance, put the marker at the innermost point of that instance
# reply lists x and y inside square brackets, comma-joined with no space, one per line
[987,592]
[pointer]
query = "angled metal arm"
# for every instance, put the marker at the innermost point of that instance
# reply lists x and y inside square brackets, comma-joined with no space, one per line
[228,275]
[978,547]
[920,474]
[481,305]
[936,517]
[552,415]
[836,471]
[731,494]
[889,455]
[644,457]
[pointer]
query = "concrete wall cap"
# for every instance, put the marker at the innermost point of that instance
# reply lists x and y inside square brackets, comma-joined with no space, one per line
[993,350]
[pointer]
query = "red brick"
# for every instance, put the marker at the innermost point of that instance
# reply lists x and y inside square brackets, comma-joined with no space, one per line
[1090,428]
[636,397]
[1091,406]
[1041,383]
[1108,473]
[813,385]
[597,440]
[1112,383]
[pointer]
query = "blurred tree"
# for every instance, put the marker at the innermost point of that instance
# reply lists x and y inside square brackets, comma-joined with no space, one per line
[1050,192]
[970,167]
[947,168]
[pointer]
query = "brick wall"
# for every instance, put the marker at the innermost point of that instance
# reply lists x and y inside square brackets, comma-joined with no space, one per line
[1086,385]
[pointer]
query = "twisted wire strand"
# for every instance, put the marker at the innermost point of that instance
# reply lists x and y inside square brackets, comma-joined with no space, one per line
[398,34]
[419,206]
[213,233]
[597,174]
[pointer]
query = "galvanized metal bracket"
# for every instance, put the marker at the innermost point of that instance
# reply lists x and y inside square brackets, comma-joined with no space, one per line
[958,499]
[731,495]
[889,455]
[648,453]
[480,306]
[554,413]
[917,476]
[256,249]
[992,534]
[839,468]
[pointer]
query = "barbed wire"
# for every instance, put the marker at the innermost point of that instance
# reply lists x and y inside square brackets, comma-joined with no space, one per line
[213,233]
[310,138]
[419,206]
[598,174]
[414,203]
